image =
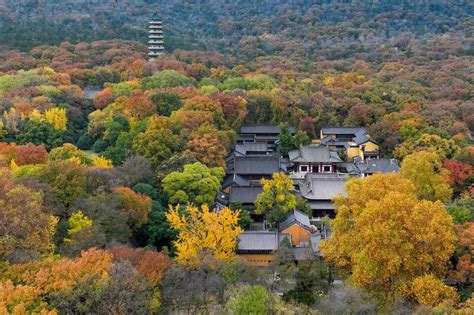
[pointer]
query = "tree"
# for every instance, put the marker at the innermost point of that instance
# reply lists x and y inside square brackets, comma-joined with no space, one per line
[23,234]
[156,145]
[30,154]
[67,180]
[107,213]
[460,213]
[38,133]
[82,235]
[463,259]
[56,117]
[301,139]
[85,142]
[208,149]
[174,164]
[193,290]
[249,299]
[166,103]
[285,267]
[276,199]
[461,175]
[166,78]
[383,237]
[234,108]
[103,98]
[285,139]
[313,279]
[69,151]
[136,106]
[149,264]
[196,184]
[101,162]
[203,231]
[425,171]
[157,230]
[53,280]
[125,293]
[136,169]
[137,206]
[245,220]
[429,290]
[348,300]
[445,148]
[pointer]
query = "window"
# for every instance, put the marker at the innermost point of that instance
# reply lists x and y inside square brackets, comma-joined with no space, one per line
[327,169]
[304,168]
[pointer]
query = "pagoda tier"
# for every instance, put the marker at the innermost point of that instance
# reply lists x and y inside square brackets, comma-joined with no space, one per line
[155,37]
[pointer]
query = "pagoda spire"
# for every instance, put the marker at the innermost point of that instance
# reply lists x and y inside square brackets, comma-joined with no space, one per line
[155,36]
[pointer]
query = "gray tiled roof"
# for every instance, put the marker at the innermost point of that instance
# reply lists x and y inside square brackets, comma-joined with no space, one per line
[258,165]
[260,240]
[331,141]
[321,205]
[297,217]
[263,129]
[245,194]
[314,153]
[343,130]
[379,166]
[322,187]
[260,147]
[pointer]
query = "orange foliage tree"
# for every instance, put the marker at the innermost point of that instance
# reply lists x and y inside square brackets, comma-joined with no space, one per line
[36,280]
[138,206]
[151,265]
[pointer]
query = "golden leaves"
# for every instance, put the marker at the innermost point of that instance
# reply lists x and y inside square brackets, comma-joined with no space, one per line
[202,230]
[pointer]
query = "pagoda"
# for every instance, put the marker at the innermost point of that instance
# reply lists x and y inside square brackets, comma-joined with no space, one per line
[155,37]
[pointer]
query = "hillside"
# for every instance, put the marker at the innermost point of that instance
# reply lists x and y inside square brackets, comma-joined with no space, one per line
[282,157]
[329,29]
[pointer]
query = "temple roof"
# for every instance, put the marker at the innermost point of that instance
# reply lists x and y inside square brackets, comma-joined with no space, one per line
[314,154]
[261,240]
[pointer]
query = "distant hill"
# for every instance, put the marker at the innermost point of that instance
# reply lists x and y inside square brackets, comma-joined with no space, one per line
[331,29]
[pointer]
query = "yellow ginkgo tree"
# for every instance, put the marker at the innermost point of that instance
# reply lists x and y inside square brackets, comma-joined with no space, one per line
[203,231]
[56,116]
[384,237]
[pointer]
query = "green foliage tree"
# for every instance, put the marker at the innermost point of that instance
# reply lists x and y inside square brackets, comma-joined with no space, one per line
[166,78]
[40,132]
[300,139]
[460,213]
[196,184]
[285,139]
[67,180]
[85,142]
[157,231]
[249,299]
[69,151]
[157,145]
[245,219]
[166,103]
[313,280]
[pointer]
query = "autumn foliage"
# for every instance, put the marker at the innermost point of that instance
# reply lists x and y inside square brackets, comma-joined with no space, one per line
[151,265]
[385,238]
[201,231]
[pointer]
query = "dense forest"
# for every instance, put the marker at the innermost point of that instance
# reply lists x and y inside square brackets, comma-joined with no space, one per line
[109,161]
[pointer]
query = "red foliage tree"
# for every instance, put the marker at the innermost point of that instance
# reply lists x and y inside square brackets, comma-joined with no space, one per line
[31,154]
[234,108]
[103,98]
[461,174]
[151,265]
